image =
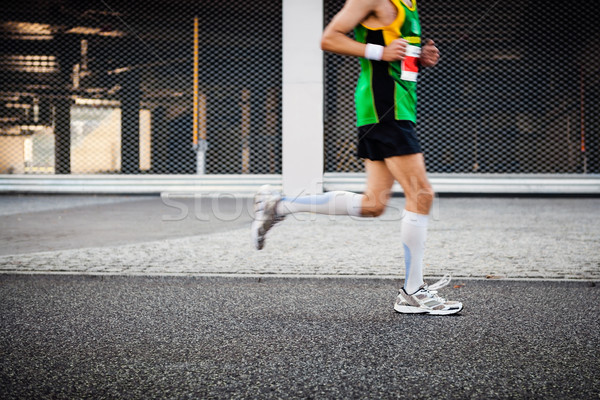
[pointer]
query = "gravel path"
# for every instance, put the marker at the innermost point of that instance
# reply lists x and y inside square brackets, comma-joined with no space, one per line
[468,237]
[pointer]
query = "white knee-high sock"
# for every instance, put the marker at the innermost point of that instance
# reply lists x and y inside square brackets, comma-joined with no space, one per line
[331,203]
[414,234]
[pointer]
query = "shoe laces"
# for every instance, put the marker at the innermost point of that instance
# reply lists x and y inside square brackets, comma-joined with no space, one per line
[263,199]
[433,294]
[441,283]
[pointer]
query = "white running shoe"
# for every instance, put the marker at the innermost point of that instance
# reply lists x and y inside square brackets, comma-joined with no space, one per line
[425,301]
[265,214]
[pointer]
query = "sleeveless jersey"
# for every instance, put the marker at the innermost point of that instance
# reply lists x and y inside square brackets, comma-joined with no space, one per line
[388,90]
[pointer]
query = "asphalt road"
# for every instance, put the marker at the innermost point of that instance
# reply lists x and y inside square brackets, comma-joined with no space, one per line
[65,337]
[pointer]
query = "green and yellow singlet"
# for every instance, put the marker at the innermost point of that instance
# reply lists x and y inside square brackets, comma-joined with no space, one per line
[388,90]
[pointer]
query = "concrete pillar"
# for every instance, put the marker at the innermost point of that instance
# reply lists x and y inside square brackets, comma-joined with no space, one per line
[62,135]
[158,142]
[130,123]
[302,114]
[68,52]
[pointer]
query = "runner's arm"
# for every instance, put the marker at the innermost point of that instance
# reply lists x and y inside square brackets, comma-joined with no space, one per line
[353,13]
[430,54]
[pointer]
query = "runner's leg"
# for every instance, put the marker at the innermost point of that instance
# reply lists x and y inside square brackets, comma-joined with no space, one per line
[331,203]
[409,171]
[270,208]
[378,191]
[371,203]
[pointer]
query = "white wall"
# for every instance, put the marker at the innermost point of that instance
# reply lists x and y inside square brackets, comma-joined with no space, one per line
[302,117]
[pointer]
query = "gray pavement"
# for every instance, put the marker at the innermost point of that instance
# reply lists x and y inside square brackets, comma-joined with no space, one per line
[540,238]
[67,337]
[32,224]
[141,297]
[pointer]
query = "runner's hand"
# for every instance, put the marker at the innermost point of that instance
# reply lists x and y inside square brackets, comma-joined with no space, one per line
[395,51]
[429,54]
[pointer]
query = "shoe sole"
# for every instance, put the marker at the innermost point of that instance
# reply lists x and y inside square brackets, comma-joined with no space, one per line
[258,234]
[257,238]
[418,310]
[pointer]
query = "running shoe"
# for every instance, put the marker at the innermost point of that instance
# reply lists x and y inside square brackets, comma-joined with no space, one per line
[265,214]
[425,301]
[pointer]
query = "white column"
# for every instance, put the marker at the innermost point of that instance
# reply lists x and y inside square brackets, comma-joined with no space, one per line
[302,116]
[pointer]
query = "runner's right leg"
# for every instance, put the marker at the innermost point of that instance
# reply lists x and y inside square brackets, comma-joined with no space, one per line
[330,203]
[270,207]
[371,203]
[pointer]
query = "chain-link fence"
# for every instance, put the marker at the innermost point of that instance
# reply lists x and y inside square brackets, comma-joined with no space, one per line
[516,90]
[108,87]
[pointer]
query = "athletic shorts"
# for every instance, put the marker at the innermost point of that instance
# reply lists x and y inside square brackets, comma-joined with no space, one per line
[387,139]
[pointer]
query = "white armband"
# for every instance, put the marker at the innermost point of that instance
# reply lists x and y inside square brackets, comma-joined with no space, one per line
[374,52]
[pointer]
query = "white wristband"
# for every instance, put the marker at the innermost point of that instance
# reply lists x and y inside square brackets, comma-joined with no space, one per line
[374,52]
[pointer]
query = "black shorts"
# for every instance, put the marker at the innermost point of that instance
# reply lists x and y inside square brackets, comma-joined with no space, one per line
[387,139]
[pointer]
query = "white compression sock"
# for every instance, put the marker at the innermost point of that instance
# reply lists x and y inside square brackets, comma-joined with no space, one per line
[331,203]
[414,234]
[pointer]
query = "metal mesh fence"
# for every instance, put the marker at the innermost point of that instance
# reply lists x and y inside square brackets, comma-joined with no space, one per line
[516,90]
[108,86]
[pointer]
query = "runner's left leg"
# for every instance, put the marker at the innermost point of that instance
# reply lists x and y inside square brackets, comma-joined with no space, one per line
[409,171]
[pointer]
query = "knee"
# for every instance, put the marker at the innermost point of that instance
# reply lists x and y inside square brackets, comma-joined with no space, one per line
[420,198]
[425,197]
[373,210]
[427,193]
[374,203]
